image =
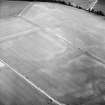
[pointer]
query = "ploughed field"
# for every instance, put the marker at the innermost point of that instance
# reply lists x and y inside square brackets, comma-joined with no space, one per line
[60,49]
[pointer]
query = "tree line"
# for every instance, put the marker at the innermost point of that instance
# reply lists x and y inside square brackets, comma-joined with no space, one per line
[70,4]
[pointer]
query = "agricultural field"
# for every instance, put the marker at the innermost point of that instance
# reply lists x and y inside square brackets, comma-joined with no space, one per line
[58,48]
[14,90]
[11,8]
